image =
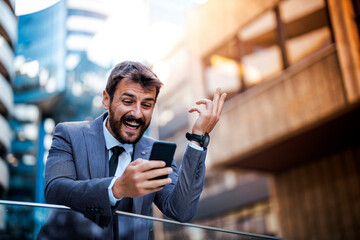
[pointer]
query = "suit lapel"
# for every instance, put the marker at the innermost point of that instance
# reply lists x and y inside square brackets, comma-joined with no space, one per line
[97,154]
[95,144]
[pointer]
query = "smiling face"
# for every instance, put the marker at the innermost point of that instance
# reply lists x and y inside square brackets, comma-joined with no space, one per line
[130,110]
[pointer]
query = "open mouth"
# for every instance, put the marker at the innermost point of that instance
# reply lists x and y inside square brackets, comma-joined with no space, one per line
[132,124]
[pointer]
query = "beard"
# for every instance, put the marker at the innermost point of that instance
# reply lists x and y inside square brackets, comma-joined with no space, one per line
[121,135]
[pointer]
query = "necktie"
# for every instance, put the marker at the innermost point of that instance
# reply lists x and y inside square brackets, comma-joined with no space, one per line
[114,160]
[126,202]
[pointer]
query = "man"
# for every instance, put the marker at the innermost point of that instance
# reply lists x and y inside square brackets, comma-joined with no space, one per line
[80,162]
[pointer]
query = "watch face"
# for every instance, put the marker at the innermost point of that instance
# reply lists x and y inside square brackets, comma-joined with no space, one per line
[206,140]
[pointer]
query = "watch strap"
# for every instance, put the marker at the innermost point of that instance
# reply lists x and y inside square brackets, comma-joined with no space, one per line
[203,140]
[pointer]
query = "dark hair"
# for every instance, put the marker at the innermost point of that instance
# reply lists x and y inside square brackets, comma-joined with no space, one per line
[135,72]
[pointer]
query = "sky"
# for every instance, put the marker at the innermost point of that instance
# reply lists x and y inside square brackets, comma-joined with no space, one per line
[126,34]
[29,6]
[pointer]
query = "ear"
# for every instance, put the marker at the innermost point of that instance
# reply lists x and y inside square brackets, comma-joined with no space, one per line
[106,100]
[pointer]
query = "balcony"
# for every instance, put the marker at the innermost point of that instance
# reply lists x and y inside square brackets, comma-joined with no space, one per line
[267,124]
[6,60]
[5,136]
[8,23]
[6,96]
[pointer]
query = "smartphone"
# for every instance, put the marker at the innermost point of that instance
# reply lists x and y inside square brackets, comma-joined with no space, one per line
[163,151]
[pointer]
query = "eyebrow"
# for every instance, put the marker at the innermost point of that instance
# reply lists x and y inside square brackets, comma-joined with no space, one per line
[133,96]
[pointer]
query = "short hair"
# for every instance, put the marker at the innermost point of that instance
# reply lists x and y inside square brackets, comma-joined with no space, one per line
[134,71]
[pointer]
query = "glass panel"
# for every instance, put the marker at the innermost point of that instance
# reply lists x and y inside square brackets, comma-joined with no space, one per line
[20,220]
[260,53]
[223,72]
[223,69]
[306,26]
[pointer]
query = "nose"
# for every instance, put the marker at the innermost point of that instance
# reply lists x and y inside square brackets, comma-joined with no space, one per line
[136,111]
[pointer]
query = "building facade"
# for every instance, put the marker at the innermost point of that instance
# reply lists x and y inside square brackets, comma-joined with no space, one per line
[291,69]
[85,79]
[8,38]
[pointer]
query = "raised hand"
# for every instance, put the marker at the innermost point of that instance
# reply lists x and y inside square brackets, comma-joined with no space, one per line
[209,115]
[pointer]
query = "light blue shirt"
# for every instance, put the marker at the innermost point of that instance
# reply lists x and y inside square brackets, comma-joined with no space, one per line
[124,158]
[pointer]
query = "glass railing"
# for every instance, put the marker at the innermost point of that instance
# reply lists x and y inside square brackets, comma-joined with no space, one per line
[24,220]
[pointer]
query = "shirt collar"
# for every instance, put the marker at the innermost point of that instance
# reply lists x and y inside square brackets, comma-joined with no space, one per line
[111,142]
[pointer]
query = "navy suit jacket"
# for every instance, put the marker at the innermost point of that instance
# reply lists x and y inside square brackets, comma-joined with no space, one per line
[76,175]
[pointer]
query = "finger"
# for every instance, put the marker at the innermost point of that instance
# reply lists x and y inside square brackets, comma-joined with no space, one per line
[153,173]
[216,100]
[221,104]
[137,162]
[157,183]
[195,109]
[205,102]
[147,165]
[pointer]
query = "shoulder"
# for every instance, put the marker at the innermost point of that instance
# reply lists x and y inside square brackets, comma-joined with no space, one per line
[72,126]
[79,126]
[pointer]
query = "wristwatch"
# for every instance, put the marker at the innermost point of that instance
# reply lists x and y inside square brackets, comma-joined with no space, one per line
[202,139]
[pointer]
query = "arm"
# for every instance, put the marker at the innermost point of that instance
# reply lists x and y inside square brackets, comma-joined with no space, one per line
[180,201]
[62,184]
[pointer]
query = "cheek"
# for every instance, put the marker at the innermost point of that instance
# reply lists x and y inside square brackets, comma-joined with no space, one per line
[148,115]
[119,112]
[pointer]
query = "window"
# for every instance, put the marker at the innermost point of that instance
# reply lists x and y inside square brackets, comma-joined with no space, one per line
[261,54]
[306,26]
[271,42]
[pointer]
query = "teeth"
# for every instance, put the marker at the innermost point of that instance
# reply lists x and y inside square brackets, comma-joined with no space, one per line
[132,124]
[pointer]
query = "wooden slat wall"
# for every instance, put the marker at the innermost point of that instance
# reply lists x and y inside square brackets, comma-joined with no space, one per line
[274,109]
[320,200]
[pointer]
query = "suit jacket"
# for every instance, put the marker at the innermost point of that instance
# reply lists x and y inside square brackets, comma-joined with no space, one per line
[76,175]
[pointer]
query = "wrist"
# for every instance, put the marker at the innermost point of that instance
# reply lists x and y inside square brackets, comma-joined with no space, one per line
[198,132]
[116,189]
[200,140]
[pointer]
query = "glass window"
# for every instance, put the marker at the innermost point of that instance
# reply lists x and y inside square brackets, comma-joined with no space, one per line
[223,72]
[306,26]
[223,69]
[259,49]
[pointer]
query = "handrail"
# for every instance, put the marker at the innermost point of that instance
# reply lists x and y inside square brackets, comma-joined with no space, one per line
[45,205]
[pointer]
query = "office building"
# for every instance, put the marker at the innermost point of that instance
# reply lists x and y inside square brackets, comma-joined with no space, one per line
[8,39]
[291,69]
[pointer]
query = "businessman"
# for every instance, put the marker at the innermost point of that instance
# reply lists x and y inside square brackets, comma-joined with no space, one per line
[102,166]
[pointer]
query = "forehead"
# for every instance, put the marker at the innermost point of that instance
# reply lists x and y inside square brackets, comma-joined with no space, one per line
[126,86]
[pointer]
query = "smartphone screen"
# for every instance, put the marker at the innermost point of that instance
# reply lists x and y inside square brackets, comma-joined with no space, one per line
[163,151]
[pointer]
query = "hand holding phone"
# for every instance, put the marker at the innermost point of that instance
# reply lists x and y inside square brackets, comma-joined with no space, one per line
[163,151]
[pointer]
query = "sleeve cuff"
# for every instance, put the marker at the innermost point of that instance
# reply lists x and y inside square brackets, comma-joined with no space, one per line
[193,145]
[112,198]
